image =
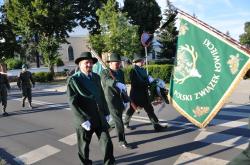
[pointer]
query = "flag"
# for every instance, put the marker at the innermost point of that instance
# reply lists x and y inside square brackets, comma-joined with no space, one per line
[207,69]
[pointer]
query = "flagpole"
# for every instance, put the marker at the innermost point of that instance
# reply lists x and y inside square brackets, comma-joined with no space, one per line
[146,54]
[226,37]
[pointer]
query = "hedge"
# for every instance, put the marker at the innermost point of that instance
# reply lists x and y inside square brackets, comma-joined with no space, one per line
[13,63]
[42,76]
[156,71]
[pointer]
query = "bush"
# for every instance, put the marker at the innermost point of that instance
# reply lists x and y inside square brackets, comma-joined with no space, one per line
[14,63]
[156,71]
[162,61]
[42,76]
[59,62]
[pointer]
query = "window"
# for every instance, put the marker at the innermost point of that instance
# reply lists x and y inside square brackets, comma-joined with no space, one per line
[70,53]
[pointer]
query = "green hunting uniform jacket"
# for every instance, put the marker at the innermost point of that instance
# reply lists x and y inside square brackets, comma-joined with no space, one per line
[139,86]
[25,80]
[112,93]
[87,100]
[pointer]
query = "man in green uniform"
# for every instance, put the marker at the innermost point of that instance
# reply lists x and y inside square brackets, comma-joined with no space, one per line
[4,85]
[139,93]
[24,83]
[87,101]
[114,84]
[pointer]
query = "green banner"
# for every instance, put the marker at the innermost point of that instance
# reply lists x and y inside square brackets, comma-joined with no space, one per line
[207,70]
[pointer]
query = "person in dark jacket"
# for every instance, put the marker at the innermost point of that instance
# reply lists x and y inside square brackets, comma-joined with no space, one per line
[25,82]
[87,102]
[114,86]
[4,85]
[139,93]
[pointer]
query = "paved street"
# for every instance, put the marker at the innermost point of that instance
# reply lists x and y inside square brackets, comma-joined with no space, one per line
[45,134]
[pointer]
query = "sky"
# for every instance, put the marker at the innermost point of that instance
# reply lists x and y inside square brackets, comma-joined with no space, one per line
[224,15]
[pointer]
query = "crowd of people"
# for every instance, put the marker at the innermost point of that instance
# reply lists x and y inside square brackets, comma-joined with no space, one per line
[99,102]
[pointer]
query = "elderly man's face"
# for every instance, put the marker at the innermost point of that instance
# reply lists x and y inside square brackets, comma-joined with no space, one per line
[86,65]
[115,65]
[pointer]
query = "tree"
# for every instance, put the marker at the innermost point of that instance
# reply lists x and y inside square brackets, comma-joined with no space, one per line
[49,47]
[245,37]
[168,33]
[145,14]
[8,45]
[116,34]
[86,14]
[39,19]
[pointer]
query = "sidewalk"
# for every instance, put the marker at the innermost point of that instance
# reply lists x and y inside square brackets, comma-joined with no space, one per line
[241,95]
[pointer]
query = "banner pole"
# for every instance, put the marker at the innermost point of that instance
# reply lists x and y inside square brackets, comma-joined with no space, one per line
[146,54]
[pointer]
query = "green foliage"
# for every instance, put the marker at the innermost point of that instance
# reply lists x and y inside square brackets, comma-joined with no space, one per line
[48,46]
[59,62]
[39,21]
[86,14]
[42,76]
[161,61]
[145,14]
[13,63]
[245,37]
[156,71]
[168,34]
[117,34]
[8,47]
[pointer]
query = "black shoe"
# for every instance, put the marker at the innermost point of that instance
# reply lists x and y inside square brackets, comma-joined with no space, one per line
[128,127]
[159,128]
[5,114]
[125,145]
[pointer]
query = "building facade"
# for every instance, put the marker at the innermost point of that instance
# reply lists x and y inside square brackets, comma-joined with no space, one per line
[71,50]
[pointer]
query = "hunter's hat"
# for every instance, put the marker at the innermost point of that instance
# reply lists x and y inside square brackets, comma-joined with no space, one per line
[113,57]
[138,57]
[85,56]
[24,66]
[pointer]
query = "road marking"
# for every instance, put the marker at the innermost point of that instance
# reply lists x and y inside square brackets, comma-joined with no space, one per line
[188,158]
[227,123]
[36,155]
[239,142]
[235,113]
[48,104]
[245,107]
[70,140]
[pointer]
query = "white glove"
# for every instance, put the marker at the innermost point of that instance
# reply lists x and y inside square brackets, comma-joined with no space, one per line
[150,79]
[126,105]
[108,118]
[121,86]
[86,125]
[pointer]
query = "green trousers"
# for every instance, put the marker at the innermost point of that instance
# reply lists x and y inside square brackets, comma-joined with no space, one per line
[117,123]
[84,138]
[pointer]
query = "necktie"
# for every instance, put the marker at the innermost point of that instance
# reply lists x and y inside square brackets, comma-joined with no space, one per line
[89,77]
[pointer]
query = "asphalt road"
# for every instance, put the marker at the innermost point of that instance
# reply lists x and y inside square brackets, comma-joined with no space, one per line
[45,135]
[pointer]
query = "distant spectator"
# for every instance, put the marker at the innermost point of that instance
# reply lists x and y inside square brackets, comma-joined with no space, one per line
[25,82]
